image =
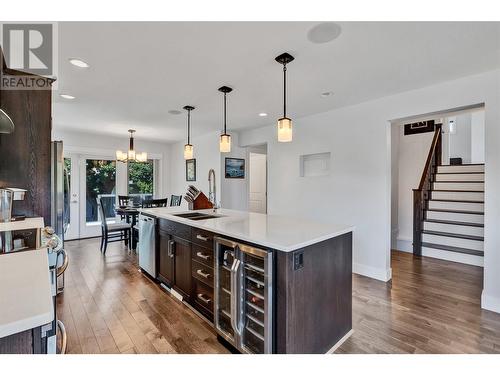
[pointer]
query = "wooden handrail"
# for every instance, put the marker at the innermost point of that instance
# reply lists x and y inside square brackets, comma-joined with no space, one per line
[421,195]
[432,151]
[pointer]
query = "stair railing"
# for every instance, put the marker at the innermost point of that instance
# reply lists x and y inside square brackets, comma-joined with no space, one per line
[422,194]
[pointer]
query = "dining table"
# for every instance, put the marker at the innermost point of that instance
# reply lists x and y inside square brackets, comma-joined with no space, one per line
[130,213]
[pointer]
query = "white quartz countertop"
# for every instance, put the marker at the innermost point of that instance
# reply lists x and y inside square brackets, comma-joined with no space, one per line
[25,291]
[277,232]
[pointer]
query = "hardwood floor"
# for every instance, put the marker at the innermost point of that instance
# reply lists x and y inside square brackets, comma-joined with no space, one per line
[431,306]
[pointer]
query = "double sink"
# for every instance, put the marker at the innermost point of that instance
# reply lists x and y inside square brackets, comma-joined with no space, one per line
[197,216]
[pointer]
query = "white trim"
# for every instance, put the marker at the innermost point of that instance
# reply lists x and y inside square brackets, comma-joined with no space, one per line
[489,302]
[340,342]
[473,260]
[404,244]
[372,272]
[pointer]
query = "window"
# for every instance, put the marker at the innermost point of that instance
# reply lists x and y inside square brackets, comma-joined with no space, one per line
[141,180]
[101,183]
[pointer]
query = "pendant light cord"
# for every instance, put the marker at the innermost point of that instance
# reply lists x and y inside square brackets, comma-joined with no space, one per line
[224,113]
[284,90]
[189,126]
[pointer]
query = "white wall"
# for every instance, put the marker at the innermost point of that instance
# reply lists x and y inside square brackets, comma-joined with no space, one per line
[99,145]
[413,151]
[477,137]
[207,155]
[395,129]
[234,192]
[460,141]
[359,188]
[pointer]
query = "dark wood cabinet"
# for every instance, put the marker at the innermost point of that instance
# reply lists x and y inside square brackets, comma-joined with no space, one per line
[182,252]
[166,271]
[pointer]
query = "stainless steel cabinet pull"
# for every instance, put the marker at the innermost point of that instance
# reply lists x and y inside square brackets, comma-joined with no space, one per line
[200,237]
[171,248]
[63,267]
[201,273]
[202,256]
[234,296]
[202,297]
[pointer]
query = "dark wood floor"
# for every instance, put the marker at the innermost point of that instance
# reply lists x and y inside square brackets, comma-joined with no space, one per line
[431,306]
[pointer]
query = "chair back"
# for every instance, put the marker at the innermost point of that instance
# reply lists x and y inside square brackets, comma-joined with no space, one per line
[124,200]
[100,207]
[175,200]
[151,203]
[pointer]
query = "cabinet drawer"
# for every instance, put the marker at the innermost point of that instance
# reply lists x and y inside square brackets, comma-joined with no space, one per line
[177,229]
[203,296]
[203,273]
[203,255]
[202,238]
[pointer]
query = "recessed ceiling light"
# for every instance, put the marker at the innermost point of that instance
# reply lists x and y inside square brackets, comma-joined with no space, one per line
[79,63]
[174,112]
[262,114]
[67,96]
[326,94]
[324,32]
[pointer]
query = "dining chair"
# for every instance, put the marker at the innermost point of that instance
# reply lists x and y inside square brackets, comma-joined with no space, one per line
[115,232]
[123,200]
[175,200]
[151,203]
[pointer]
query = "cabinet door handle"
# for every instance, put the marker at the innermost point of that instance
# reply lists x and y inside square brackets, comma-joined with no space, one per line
[171,248]
[203,274]
[200,237]
[202,256]
[204,299]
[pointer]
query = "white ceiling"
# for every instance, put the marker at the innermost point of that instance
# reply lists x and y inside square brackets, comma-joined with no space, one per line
[139,71]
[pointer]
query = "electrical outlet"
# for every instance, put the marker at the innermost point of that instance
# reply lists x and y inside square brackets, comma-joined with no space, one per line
[298,260]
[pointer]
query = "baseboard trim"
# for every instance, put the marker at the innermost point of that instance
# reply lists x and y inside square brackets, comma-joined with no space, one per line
[340,342]
[372,272]
[473,260]
[405,245]
[490,303]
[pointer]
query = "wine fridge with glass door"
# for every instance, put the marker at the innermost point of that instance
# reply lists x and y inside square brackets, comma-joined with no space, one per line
[244,296]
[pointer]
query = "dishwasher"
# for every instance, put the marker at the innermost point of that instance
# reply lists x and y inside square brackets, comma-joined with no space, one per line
[147,244]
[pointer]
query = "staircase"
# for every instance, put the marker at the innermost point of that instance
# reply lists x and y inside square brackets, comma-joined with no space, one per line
[453,217]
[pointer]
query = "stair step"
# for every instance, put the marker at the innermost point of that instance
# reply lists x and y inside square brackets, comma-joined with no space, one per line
[476,230]
[454,235]
[451,205]
[458,185]
[455,223]
[450,239]
[473,168]
[454,249]
[458,195]
[457,216]
[467,176]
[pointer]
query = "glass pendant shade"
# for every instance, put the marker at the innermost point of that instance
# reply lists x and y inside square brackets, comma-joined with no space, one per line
[121,156]
[285,131]
[142,157]
[225,143]
[188,151]
[131,154]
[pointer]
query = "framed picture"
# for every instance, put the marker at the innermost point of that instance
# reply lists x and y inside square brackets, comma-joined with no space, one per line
[191,170]
[235,168]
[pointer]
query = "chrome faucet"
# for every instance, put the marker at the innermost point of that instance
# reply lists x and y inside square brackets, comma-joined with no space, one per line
[212,190]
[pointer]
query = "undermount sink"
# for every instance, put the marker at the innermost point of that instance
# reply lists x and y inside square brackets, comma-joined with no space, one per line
[197,216]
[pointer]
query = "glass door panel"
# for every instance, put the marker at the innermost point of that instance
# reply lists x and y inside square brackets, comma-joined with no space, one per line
[224,262]
[99,182]
[140,181]
[71,193]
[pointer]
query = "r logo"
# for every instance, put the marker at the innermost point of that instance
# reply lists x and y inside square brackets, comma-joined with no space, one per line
[29,47]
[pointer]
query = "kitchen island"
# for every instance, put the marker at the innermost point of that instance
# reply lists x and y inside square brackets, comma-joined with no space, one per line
[270,284]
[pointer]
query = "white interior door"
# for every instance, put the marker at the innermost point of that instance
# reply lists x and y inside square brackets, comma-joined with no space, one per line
[258,183]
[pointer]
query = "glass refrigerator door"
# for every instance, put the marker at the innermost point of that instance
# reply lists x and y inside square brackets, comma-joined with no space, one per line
[225,264]
[257,313]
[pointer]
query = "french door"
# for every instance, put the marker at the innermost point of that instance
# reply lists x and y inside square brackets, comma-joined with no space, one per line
[90,178]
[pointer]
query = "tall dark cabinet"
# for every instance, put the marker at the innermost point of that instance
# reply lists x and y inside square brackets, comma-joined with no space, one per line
[25,154]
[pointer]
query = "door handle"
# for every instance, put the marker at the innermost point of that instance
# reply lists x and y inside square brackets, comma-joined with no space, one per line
[203,274]
[234,296]
[171,248]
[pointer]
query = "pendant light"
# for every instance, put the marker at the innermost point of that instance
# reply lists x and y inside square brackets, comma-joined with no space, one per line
[284,124]
[188,147]
[225,139]
[6,124]
[131,155]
